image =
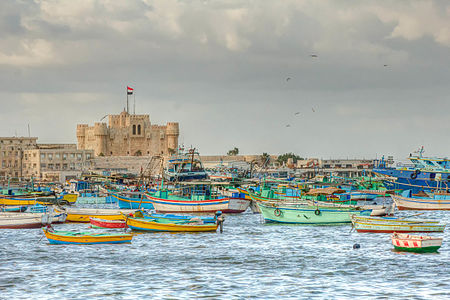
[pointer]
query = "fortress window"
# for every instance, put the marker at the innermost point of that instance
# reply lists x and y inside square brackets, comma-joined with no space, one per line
[134,129]
[139,129]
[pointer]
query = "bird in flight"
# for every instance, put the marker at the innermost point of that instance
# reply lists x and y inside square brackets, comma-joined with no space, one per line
[297,113]
[289,78]
[313,55]
[385,65]
[288,125]
[313,109]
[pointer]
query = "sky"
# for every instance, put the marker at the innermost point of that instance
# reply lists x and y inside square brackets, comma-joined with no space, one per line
[234,73]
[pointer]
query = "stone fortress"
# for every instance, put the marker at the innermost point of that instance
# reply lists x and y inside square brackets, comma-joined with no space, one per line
[128,135]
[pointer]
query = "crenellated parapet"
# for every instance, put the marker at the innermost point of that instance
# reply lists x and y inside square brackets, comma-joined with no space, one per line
[128,134]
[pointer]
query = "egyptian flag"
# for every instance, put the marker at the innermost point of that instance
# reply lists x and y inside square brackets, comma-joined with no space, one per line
[129,90]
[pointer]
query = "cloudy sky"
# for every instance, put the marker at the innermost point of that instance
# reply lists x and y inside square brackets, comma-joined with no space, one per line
[380,83]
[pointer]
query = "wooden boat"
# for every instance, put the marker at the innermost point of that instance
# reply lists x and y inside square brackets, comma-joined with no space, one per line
[132,200]
[415,243]
[165,203]
[304,214]
[172,217]
[29,220]
[437,202]
[71,237]
[83,214]
[390,225]
[143,224]
[396,220]
[13,221]
[102,223]
[41,198]
[377,210]
[10,208]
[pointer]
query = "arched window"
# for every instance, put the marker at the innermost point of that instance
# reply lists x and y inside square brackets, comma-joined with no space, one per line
[139,129]
[134,129]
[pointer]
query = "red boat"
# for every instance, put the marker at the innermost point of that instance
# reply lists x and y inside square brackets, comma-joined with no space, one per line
[95,222]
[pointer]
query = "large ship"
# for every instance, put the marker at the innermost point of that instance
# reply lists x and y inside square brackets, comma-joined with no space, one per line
[422,174]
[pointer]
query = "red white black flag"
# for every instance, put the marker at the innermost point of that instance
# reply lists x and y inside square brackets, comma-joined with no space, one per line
[129,90]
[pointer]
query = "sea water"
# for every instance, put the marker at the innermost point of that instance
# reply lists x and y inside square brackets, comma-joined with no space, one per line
[249,260]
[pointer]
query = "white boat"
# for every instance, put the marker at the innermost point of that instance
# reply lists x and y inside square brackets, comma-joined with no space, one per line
[29,220]
[437,202]
[377,210]
[390,225]
[415,243]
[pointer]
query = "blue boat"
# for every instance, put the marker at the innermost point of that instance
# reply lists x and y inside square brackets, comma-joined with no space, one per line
[17,208]
[423,174]
[173,217]
[132,200]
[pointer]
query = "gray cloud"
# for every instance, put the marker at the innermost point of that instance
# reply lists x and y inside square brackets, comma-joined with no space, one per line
[220,69]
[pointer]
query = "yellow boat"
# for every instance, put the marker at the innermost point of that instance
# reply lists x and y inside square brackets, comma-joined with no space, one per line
[32,199]
[70,237]
[83,214]
[145,224]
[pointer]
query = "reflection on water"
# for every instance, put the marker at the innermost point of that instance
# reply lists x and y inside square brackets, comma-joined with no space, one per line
[249,260]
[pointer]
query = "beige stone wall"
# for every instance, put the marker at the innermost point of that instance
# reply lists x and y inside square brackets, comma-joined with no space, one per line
[128,135]
[53,160]
[11,154]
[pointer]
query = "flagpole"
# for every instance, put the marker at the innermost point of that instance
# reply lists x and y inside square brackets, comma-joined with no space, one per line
[134,103]
[127,99]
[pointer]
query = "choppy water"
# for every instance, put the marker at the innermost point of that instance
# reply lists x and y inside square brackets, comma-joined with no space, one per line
[249,260]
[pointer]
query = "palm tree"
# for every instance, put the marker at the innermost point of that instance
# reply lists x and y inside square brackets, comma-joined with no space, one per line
[233,152]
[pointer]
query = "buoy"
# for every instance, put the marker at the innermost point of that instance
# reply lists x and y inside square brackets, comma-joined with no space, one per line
[356,246]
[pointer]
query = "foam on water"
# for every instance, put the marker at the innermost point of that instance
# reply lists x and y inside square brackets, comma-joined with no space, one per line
[249,260]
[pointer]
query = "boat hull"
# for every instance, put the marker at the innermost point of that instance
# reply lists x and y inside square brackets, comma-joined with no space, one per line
[417,244]
[29,220]
[87,239]
[146,225]
[225,205]
[133,203]
[308,215]
[102,223]
[405,203]
[29,200]
[387,226]
[83,215]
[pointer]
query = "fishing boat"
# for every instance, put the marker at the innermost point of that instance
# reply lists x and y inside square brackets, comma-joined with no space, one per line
[390,225]
[196,197]
[132,200]
[439,201]
[304,214]
[83,214]
[41,198]
[85,238]
[377,210]
[193,225]
[421,174]
[185,166]
[415,243]
[29,220]
[102,223]
[9,208]
[172,217]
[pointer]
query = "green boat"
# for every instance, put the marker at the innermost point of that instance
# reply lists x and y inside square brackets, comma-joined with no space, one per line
[304,214]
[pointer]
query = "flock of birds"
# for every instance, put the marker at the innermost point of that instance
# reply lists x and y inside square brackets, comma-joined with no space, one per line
[312,108]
